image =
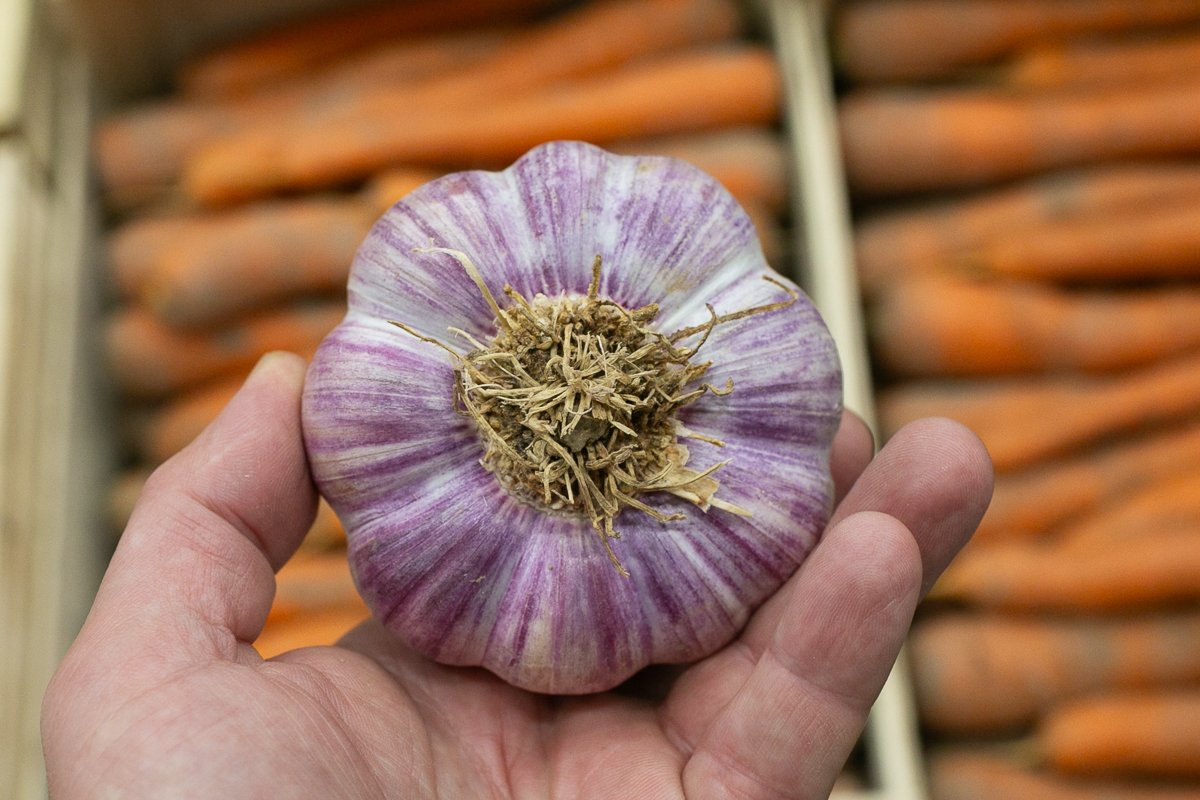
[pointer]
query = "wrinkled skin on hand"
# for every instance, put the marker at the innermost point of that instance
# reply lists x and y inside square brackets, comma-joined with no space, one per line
[163,695]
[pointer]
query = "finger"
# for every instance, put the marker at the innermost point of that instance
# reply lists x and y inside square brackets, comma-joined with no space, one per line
[934,476]
[853,447]
[193,573]
[789,729]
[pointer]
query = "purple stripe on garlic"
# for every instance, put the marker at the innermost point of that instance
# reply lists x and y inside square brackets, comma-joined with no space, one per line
[514,573]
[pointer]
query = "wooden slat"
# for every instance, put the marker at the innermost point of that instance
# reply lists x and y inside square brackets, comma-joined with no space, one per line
[828,274]
[24,610]
[13,199]
[50,457]
[14,39]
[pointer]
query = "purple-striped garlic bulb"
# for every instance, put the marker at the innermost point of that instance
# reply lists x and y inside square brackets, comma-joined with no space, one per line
[573,423]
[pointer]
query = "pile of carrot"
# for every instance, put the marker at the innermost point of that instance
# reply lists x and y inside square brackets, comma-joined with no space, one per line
[1026,182]
[238,201]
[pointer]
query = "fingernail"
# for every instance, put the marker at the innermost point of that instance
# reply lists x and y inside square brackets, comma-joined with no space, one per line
[264,362]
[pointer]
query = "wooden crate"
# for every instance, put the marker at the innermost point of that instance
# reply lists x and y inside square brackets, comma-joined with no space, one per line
[54,462]
[57,412]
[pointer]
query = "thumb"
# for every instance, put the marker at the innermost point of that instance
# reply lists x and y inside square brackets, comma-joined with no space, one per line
[193,573]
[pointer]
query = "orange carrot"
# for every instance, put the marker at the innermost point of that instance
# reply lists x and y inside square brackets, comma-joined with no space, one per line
[982,674]
[596,37]
[170,428]
[591,40]
[286,52]
[939,326]
[695,90]
[1123,576]
[890,40]
[1151,734]
[311,582]
[1153,244]
[141,153]
[151,359]
[1025,419]
[987,776]
[383,190]
[752,163]
[309,630]
[326,532]
[404,61]
[249,258]
[134,248]
[930,237]
[1032,502]
[909,140]
[1169,505]
[1089,63]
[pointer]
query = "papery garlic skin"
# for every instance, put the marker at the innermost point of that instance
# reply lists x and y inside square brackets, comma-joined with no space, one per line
[469,576]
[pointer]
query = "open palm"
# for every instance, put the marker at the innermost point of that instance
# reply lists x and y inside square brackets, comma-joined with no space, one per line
[162,694]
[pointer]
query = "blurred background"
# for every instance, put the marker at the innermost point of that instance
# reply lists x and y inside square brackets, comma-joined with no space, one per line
[995,203]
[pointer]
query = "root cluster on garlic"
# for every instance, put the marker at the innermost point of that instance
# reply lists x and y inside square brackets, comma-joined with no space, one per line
[576,400]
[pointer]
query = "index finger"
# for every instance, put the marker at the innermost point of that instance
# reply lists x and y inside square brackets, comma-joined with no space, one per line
[811,668]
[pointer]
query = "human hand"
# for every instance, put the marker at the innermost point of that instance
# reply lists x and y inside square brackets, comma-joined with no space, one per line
[163,695]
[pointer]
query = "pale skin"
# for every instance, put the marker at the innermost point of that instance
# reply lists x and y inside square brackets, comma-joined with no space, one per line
[163,695]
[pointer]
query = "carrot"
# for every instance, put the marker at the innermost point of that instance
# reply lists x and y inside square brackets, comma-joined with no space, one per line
[708,88]
[1150,734]
[311,582]
[977,674]
[245,259]
[1153,244]
[383,190]
[966,775]
[688,91]
[940,326]
[752,163]
[891,40]
[309,630]
[593,39]
[1169,505]
[141,153]
[286,52]
[404,61]
[133,248]
[170,428]
[596,37]
[326,533]
[904,140]
[1024,419]
[930,237]
[1121,576]
[151,359]
[1032,502]
[1139,62]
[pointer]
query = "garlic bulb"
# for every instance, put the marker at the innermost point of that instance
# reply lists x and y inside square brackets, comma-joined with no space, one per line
[568,426]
